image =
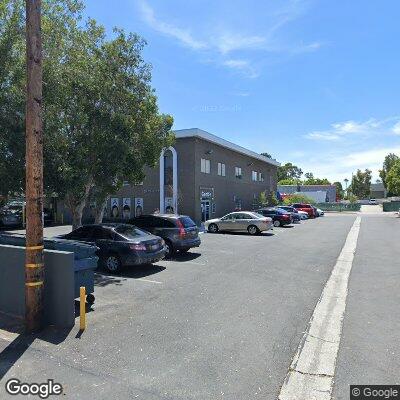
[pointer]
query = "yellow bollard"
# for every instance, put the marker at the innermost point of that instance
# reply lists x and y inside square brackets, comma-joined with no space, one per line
[82,313]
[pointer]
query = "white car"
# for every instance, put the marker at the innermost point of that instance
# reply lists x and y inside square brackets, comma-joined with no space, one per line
[303,214]
[249,221]
[320,212]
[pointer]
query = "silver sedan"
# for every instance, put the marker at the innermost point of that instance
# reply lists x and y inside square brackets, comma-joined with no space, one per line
[240,221]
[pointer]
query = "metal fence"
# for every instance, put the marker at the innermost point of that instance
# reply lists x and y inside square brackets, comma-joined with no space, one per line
[339,206]
[391,206]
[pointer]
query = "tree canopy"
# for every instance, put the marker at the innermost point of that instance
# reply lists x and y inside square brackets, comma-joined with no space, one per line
[361,184]
[289,171]
[388,163]
[100,115]
[393,179]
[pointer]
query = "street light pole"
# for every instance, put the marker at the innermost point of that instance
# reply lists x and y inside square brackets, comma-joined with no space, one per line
[34,267]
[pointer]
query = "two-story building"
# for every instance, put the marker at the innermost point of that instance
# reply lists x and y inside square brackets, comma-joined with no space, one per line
[201,175]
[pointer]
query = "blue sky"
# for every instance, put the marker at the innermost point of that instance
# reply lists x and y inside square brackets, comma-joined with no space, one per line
[313,82]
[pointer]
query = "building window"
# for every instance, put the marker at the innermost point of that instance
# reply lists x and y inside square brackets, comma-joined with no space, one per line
[261,177]
[221,169]
[254,176]
[238,172]
[205,166]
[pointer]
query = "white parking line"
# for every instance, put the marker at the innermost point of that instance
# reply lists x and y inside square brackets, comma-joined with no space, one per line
[312,371]
[147,280]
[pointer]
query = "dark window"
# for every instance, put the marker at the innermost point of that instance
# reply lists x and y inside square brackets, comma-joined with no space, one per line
[146,221]
[163,223]
[102,233]
[84,232]
[129,231]
[187,222]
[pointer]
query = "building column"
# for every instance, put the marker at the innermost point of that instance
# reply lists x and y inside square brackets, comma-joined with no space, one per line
[174,180]
[162,167]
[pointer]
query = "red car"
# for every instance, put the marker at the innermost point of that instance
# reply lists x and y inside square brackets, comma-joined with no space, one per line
[308,208]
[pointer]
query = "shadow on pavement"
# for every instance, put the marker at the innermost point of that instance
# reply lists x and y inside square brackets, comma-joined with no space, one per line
[104,278]
[17,347]
[243,234]
[182,257]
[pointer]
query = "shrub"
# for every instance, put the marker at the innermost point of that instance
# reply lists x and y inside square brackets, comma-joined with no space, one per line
[298,198]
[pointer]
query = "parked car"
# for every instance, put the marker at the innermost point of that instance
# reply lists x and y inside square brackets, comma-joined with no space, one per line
[179,231]
[320,212]
[11,214]
[120,245]
[308,208]
[373,201]
[251,222]
[295,214]
[279,217]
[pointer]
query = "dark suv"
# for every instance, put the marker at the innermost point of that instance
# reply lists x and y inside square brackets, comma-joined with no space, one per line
[179,231]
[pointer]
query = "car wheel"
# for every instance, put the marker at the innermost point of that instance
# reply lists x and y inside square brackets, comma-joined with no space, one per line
[112,263]
[90,299]
[277,223]
[253,230]
[170,249]
[213,228]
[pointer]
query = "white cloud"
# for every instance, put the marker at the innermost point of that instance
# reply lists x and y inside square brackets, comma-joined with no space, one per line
[243,66]
[220,44]
[322,136]
[396,128]
[228,42]
[371,126]
[182,35]
[366,159]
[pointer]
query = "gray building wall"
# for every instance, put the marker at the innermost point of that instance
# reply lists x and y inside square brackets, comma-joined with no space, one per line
[191,181]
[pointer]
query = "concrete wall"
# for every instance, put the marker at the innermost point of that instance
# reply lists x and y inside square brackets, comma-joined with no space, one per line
[59,288]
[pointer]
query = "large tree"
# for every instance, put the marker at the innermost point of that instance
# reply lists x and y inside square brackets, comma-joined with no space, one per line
[289,171]
[393,179]
[388,163]
[101,121]
[339,190]
[311,180]
[361,184]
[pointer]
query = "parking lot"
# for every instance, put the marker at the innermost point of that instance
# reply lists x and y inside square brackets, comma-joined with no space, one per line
[220,322]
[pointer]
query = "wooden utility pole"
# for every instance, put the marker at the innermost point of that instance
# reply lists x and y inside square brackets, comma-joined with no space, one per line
[34,267]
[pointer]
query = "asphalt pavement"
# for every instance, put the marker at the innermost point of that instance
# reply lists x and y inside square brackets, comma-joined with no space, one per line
[224,321]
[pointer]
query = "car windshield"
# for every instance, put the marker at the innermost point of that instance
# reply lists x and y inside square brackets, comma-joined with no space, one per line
[129,231]
[187,222]
[257,215]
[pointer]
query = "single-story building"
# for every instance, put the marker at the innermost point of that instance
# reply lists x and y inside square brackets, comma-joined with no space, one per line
[328,191]
[378,191]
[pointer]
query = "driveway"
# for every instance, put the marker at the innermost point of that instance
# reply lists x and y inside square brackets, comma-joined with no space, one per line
[221,322]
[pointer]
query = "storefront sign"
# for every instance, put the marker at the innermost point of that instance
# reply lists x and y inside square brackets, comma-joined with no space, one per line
[126,207]
[169,205]
[114,207]
[138,206]
[206,193]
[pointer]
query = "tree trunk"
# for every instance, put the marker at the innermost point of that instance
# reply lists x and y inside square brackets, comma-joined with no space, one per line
[76,204]
[77,212]
[99,211]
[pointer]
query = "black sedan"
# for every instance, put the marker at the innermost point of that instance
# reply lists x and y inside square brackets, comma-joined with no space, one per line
[279,217]
[120,244]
